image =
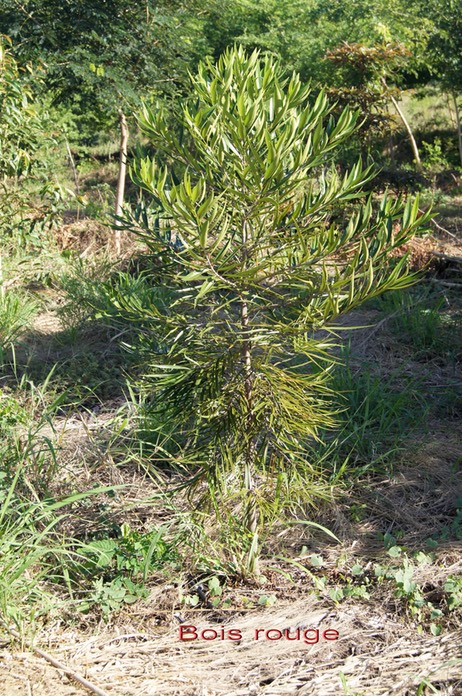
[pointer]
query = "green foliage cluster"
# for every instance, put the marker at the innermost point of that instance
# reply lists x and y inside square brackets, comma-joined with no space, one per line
[301,32]
[16,311]
[21,124]
[112,571]
[445,43]
[130,553]
[26,143]
[101,56]
[399,572]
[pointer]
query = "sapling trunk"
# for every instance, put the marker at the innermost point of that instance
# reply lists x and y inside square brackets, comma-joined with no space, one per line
[412,140]
[121,179]
[251,511]
[251,515]
[459,128]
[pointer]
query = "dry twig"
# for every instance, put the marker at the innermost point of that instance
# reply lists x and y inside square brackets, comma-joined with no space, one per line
[59,665]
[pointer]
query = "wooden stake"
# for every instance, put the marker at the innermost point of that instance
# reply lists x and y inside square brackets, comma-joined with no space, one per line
[73,167]
[459,129]
[122,174]
[403,118]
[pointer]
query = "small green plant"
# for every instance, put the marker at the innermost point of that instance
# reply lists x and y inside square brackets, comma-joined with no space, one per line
[16,312]
[347,690]
[131,554]
[434,157]
[452,531]
[211,594]
[453,586]
[424,685]
[111,596]
[261,243]
[350,589]
[267,600]
[12,414]
[98,201]
[215,589]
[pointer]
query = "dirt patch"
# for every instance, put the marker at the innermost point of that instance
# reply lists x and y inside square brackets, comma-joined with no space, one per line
[24,674]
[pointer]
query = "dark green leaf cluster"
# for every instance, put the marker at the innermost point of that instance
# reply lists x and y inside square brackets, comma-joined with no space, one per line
[102,54]
[22,124]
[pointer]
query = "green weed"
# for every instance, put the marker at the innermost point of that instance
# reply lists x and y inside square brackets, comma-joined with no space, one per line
[33,551]
[378,413]
[112,595]
[132,554]
[16,313]
[399,574]
[451,531]
[423,321]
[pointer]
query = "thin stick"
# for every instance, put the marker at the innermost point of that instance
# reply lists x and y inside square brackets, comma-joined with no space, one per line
[2,285]
[377,327]
[73,167]
[121,178]
[439,227]
[403,118]
[446,283]
[459,128]
[59,665]
[447,257]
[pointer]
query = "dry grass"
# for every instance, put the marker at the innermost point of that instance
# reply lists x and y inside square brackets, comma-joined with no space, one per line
[376,654]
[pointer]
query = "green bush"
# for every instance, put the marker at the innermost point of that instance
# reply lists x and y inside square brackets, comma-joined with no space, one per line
[30,198]
[260,243]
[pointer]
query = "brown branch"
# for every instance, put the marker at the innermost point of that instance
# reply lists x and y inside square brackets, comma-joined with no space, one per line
[377,327]
[59,665]
[439,227]
[403,118]
[446,283]
[122,174]
[447,257]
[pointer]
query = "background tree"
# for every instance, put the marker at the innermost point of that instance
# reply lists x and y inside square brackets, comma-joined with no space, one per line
[346,47]
[445,52]
[365,80]
[301,32]
[21,123]
[102,55]
[26,140]
[261,245]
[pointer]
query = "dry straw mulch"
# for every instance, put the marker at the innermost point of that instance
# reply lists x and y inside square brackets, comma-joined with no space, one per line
[375,655]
